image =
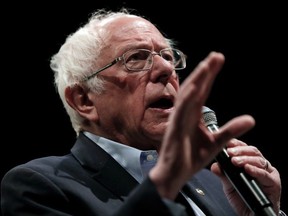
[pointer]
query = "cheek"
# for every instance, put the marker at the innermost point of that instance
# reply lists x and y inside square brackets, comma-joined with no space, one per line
[134,109]
[125,97]
[153,128]
[129,106]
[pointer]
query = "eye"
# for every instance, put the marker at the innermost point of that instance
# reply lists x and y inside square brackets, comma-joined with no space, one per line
[168,56]
[137,55]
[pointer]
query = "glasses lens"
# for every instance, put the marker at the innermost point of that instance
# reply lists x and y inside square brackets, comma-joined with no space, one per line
[141,59]
[175,57]
[138,59]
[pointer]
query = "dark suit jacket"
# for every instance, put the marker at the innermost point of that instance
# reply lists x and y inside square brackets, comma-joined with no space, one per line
[89,182]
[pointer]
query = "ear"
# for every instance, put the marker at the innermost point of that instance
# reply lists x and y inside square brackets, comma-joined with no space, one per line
[78,98]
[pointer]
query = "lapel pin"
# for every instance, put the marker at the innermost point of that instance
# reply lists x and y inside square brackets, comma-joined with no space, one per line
[199,191]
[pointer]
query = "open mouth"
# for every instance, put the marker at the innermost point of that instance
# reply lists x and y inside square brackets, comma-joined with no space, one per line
[163,103]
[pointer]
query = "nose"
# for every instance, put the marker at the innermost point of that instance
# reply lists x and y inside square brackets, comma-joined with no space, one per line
[161,70]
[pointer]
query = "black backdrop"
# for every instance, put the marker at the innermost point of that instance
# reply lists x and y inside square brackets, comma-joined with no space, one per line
[253,80]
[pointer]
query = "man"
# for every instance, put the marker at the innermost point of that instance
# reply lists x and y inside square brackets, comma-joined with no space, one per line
[142,146]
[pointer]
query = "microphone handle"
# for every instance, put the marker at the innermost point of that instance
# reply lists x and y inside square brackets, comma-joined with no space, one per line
[244,184]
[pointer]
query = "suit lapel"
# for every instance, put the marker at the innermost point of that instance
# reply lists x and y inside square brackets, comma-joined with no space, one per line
[205,189]
[181,199]
[103,167]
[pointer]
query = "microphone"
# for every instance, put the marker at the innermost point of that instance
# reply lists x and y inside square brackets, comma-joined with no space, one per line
[243,183]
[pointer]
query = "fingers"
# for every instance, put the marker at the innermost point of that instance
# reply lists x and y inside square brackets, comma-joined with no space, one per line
[248,157]
[194,91]
[242,155]
[196,87]
[234,128]
[253,156]
[267,165]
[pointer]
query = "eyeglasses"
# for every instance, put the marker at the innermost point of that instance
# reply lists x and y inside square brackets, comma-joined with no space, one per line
[142,60]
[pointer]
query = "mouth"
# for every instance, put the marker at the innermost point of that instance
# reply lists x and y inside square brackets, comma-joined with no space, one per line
[162,103]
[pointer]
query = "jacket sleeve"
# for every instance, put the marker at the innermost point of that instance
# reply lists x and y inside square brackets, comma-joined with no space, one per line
[145,200]
[26,192]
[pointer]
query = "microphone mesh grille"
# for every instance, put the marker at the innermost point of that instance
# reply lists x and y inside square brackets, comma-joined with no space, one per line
[209,117]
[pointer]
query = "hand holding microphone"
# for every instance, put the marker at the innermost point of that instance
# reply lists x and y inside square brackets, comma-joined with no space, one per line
[244,184]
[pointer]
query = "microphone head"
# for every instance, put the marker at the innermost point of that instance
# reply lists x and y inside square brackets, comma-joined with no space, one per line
[209,116]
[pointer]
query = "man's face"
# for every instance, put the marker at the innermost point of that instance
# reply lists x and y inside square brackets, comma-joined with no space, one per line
[135,106]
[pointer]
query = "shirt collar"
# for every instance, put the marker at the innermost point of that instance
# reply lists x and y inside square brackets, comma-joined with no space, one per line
[136,162]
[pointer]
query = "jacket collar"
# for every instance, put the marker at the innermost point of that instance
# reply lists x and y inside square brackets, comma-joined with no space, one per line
[102,167]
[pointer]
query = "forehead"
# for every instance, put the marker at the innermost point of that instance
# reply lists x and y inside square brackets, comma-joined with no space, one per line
[133,31]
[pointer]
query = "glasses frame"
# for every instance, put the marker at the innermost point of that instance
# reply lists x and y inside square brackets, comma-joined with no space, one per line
[122,57]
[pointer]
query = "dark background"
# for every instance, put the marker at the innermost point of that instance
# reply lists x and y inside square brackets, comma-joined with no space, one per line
[252,37]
